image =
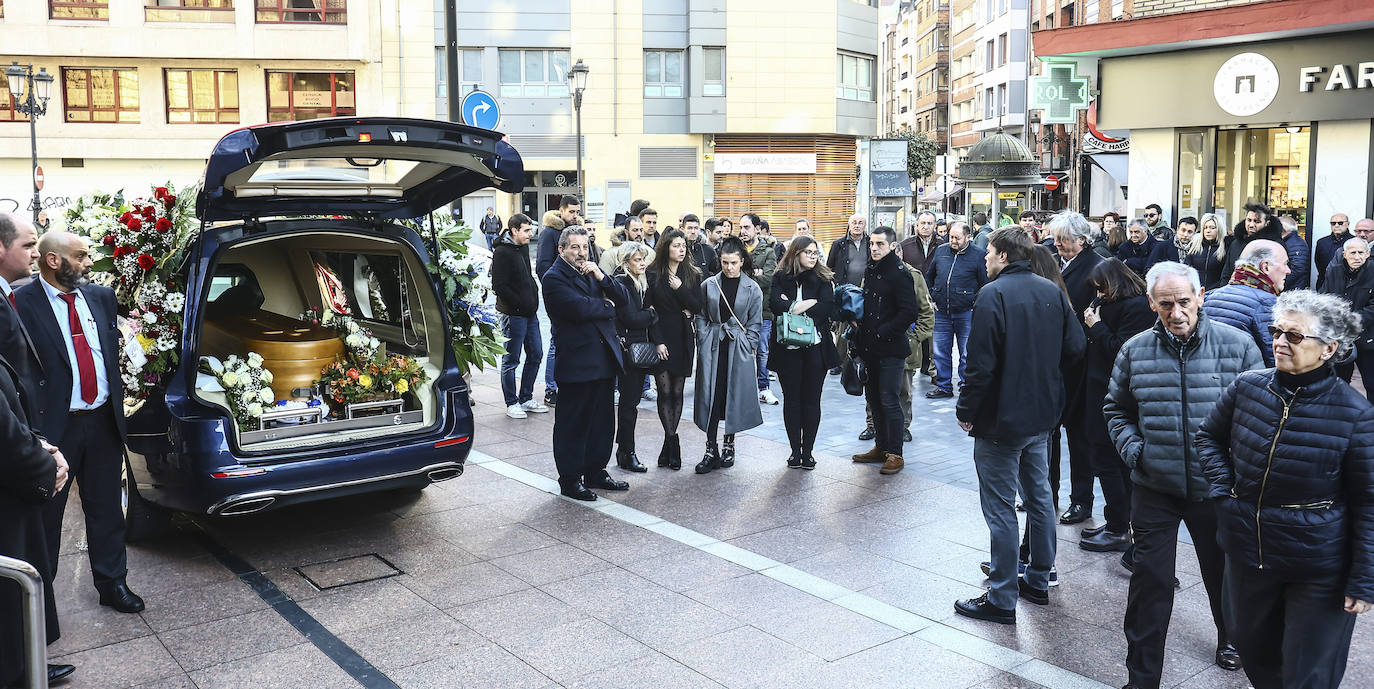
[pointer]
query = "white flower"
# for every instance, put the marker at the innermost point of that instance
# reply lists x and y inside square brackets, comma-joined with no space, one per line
[255,410]
[267,396]
[352,327]
[254,360]
[165,344]
[175,301]
[355,341]
[150,318]
[373,343]
[230,379]
[266,376]
[327,316]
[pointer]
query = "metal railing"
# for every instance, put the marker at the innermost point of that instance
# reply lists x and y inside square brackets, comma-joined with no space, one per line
[35,634]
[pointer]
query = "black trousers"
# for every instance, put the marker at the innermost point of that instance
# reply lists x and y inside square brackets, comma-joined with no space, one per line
[1364,359]
[1080,465]
[583,429]
[1150,602]
[95,453]
[882,392]
[801,400]
[1115,478]
[1290,634]
[631,386]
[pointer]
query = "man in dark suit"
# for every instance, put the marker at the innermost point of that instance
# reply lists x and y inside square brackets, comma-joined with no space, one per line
[72,323]
[580,300]
[18,251]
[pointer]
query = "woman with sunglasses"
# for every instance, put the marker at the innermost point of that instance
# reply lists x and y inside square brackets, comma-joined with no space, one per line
[803,285]
[1288,453]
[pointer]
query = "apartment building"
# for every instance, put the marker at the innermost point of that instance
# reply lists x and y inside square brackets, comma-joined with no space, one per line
[715,107]
[963,95]
[142,89]
[919,69]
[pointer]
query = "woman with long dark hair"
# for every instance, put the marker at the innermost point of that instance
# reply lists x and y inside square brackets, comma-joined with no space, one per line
[728,331]
[674,288]
[636,321]
[802,285]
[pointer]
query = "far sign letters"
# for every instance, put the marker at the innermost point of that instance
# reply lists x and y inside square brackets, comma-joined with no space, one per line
[1341,77]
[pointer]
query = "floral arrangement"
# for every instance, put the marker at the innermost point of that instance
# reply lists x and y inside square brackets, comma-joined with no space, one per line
[372,381]
[361,344]
[140,246]
[247,386]
[466,284]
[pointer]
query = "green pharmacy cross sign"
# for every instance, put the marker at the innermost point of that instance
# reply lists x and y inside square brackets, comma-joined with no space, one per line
[1060,92]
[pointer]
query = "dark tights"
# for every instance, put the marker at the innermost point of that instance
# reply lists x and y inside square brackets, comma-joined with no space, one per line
[801,407]
[719,393]
[670,392]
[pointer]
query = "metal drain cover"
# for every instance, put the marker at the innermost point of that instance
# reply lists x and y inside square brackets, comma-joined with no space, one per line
[347,571]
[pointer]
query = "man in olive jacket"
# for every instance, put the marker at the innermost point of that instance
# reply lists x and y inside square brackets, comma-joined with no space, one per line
[1185,362]
[765,262]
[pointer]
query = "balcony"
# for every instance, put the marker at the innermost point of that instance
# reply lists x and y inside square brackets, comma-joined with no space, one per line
[201,11]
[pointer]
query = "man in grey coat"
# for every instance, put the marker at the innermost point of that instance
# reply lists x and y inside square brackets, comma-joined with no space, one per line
[1183,363]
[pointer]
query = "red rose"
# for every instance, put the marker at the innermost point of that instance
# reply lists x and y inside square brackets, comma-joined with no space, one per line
[169,200]
[124,219]
[135,224]
[148,212]
[146,262]
[159,192]
[109,240]
[163,224]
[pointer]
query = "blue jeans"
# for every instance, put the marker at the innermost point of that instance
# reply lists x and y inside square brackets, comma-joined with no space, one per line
[522,332]
[948,326]
[1004,466]
[549,382]
[761,356]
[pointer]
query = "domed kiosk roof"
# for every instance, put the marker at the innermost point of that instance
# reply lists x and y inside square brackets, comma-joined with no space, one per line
[1002,158]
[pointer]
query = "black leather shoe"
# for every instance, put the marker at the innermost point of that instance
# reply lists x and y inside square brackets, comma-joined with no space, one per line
[808,463]
[1092,531]
[1106,542]
[1076,514]
[727,452]
[606,483]
[867,433]
[1228,658]
[577,491]
[709,461]
[906,436]
[1032,594]
[119,597]
[981,609]
[794,462]
[675,460]
[835,371]
[628,461]
[939,394]
[59,673]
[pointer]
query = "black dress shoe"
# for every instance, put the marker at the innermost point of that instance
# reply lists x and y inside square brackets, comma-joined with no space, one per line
[835,371]
[1032,594]
[119,597]
[1106,542]
[627,460]
[1228,658]
[1076,514]
[577,491]
[1092,531]
[606,483]
[59,673]
[981,608]
[867,433]
[939,394]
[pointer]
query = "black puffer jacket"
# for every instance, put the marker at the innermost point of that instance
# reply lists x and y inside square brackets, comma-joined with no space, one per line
[517,292]
[1294,471]
[1358,288]
[1273,231]
[889,310]
[1161,390]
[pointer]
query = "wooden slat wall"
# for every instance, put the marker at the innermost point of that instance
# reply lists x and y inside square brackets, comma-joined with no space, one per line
[825,198]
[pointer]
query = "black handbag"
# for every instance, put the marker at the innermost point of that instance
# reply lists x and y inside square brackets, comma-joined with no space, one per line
[853,376]
[642,355]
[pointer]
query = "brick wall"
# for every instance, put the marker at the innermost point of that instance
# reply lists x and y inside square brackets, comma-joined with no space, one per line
[1139,9]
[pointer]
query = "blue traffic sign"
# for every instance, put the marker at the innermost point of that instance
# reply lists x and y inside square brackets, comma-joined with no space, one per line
[479,109]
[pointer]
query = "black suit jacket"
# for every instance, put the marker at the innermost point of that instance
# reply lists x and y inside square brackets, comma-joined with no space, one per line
[17,347]
[1081,295]
[584,324]
[38,317]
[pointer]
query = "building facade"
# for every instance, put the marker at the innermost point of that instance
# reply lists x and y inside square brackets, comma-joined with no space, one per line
[142,91]
[714,107]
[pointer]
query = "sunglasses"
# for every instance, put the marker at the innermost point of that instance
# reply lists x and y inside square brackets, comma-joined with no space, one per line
[1294,337]
[1340,222]
[1152,215]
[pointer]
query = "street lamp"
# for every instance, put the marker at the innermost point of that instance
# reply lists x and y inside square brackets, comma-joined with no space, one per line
[31,92]
[578,76]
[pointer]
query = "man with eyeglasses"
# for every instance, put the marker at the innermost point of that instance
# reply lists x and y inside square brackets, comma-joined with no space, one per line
[1329,246]
[1154,223]
[1349,277]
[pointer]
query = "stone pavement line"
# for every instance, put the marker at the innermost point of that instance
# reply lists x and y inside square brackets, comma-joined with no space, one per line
[934,632]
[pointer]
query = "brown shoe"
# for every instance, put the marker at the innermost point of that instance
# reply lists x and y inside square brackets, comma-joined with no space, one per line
[893,465]
[871,457]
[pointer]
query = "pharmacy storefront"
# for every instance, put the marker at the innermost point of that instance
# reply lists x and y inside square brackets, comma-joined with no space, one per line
[1285,123]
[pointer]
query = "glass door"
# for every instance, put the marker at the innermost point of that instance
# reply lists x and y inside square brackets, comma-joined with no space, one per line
[1268,166]
[1193,197]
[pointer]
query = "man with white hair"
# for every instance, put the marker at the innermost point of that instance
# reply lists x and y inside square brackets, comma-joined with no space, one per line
[1248,300]
[1349,277]
[1164,383]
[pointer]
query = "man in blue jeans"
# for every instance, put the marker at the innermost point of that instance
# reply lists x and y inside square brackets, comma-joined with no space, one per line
[765,261]
[517,300]
[1024,331]
[955,273]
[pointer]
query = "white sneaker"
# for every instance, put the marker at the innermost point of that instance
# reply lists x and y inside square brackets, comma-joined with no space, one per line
[516,411]
[767,397]
[650,395]
[534,406]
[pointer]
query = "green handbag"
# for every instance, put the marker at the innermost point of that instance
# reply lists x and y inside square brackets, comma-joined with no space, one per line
[796,330]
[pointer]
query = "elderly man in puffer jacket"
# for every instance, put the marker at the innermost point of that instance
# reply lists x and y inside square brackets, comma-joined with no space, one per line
[1244,302]
[1183,363]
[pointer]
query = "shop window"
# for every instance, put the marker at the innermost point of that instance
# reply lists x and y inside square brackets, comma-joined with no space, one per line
[100,95]
[663,74]
[309,95]
[208,96]
[1268,166]
[302,11]
[855,77]
[8,108]
[97,10]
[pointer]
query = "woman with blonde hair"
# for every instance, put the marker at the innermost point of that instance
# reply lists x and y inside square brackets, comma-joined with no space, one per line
[636,321]
[1207,252]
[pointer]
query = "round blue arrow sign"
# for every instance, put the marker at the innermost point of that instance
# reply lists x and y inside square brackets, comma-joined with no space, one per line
[479,109]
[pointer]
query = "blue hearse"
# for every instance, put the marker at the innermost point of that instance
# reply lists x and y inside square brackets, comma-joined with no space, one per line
[289,211]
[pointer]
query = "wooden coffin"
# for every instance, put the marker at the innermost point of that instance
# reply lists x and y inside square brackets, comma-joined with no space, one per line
[294,351]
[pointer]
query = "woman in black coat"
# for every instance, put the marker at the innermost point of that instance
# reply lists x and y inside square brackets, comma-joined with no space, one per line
[635,321]
[675,292]
[1120,311]
[802,285]
[1288,453]
[1207,253]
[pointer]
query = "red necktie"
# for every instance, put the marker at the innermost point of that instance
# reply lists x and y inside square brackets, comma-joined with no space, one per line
[85,363]
[12,302]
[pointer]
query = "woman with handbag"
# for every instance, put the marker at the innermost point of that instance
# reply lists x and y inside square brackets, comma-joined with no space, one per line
[675,291]
[803,296]
[636,324]
[727,336]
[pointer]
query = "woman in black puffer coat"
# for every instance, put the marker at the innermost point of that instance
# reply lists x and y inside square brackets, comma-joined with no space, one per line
[1289,455]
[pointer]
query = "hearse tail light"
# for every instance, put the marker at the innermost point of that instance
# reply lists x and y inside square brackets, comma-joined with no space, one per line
[364,137]
[452,441]
[236,473]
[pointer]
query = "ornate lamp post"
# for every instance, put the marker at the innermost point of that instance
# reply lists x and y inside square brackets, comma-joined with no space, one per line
[31,92]
[578,76]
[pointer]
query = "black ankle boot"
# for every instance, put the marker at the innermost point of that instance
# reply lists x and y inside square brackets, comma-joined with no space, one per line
[711,460]
[727,452]
[625,459]
[674,452]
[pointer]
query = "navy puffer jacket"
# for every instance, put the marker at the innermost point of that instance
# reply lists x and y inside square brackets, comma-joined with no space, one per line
[1294,471]
[955,277]
[1248,309]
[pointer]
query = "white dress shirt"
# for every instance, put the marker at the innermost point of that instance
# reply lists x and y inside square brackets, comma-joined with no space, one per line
[83,310]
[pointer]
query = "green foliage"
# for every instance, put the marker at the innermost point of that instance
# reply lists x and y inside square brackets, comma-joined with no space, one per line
[920,151]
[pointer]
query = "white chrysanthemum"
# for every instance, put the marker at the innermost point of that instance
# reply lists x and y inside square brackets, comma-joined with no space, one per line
[166,344]
[150,318]
[355,340]
[175,301]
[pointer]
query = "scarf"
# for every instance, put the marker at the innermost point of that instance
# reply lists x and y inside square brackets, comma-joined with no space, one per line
[1250,276]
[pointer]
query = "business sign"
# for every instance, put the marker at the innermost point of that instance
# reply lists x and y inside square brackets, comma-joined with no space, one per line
[887,183]
[980,198]
[1246,84]
[1060,93]
[765,163]
[887,155]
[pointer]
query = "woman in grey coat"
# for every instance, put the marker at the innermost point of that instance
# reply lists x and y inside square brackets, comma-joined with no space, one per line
[727,337]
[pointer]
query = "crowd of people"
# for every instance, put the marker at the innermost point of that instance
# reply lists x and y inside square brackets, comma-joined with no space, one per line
[1194,372]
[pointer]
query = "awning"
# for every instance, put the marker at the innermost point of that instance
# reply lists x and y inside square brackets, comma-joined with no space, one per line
[890,183]
[935,196]
[1114,164]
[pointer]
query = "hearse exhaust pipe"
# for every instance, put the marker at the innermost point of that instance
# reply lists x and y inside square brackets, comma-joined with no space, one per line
[445,474]
[249,506]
